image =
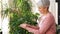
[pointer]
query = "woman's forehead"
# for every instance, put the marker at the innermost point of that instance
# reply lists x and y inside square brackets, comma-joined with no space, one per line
[41,7]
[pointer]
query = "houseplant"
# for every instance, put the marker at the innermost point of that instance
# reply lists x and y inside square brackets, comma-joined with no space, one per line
[20,13]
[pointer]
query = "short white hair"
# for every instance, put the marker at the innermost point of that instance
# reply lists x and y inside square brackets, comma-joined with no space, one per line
[43,3]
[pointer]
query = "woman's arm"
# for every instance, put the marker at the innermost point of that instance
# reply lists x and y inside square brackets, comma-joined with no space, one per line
[30,28]
[33,27]
[46,24]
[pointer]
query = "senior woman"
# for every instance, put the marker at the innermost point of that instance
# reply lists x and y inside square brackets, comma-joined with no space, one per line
[46,23]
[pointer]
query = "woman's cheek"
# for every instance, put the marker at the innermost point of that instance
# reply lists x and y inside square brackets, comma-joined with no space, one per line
[41,11]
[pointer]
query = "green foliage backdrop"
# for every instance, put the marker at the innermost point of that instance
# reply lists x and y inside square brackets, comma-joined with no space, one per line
[21,13]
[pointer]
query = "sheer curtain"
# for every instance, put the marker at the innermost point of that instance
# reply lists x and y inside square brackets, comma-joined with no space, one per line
[4,19]
[0,16]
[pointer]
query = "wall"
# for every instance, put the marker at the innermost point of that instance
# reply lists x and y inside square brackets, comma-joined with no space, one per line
[5,20]
[0,15]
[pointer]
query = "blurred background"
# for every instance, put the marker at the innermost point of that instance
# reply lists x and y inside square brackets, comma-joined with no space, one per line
[4,19]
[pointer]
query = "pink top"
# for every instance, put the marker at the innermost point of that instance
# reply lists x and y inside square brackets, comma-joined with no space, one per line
[46,25]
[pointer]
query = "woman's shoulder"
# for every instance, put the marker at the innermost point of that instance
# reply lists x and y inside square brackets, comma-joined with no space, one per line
[50,15]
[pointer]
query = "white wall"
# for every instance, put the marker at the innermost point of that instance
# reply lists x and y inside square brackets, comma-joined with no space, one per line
[5,25]
[5,20]
[0,15]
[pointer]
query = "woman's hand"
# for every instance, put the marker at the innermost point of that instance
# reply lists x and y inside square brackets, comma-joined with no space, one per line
[23,25]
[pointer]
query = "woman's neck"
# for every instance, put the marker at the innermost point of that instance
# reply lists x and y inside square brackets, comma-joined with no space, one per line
[46,12]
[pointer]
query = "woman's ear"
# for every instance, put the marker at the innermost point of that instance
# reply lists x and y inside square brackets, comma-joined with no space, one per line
[46,8]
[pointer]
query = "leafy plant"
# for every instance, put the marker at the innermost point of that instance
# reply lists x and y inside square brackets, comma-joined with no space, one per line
[21,13]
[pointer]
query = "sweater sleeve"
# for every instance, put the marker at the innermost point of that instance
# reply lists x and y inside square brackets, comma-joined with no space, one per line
[32,28]
[47,22]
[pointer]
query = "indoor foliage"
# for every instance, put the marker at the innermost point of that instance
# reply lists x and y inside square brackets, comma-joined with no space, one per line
[21,13]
